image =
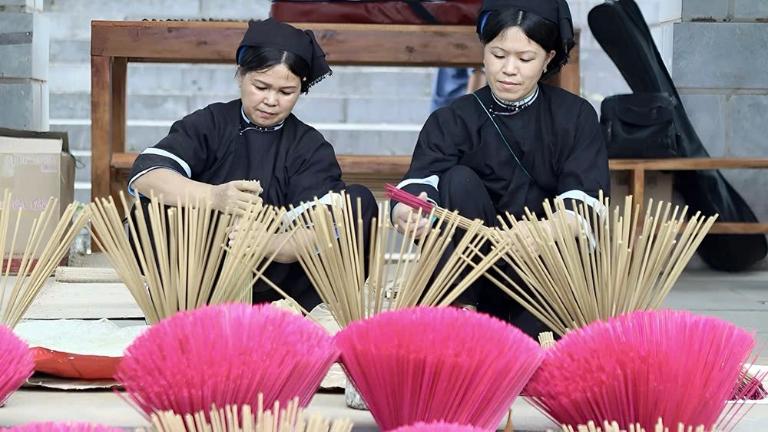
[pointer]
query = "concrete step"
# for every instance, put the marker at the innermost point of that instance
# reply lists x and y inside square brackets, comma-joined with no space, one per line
[310,108]
[353,139]
[83,193]
[73,17]
[219,80]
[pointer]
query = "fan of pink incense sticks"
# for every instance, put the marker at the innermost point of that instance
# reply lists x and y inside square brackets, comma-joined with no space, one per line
[437,364]
[643,367]
[438,427]
[16,361]
[226,355]
[426,207]
[61,427]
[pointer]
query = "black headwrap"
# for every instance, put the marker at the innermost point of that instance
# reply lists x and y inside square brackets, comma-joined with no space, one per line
[556,11]
[270,33]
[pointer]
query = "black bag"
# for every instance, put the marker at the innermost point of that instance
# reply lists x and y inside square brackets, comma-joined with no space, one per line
[639,125]
[619,27]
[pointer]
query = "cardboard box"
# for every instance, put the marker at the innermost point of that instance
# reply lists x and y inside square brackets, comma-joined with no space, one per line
[35,166]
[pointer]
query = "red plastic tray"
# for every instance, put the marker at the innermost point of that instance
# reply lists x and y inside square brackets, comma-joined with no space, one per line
[66,365]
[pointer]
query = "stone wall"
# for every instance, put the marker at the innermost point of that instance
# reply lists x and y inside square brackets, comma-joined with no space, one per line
[721,70]
[24,65]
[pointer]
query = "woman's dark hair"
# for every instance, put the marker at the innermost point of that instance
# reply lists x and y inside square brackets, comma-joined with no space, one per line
[540,30]
[251,59]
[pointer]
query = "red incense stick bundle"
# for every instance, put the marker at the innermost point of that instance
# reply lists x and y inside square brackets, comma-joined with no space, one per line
[438,427]
[642,367]
[16,361]
[426,207]
[226,355]
[437,364]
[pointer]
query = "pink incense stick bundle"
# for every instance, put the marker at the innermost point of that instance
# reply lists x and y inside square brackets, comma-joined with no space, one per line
[408,199]
[438,427]
[16,363]
[426,207]
[641,367]
[62,427]
[437,364]
[226,355]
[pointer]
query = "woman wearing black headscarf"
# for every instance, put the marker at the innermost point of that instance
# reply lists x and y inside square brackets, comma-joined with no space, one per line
[515,142]
[215,152]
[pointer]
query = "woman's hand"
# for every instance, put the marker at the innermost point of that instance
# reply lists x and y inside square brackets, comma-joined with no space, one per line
[522,234]
[286,246]
[402,215]
[523,238]
[237,195]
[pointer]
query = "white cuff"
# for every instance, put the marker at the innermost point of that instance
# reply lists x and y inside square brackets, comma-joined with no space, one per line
[599,208]
[169,155]
[579,195]
[432,180]
[331,198]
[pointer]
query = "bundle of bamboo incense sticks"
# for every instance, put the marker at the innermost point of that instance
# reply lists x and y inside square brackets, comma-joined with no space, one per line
[48,243]
[335,258]
[244,419]
[426,207]
[619,262]
[176,257]
[546,340]
[614,427]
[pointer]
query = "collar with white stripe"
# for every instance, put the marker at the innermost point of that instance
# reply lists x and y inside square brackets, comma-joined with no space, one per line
[508,108]
[251,126]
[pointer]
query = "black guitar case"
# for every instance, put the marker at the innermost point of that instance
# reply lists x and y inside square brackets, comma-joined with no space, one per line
[619,27]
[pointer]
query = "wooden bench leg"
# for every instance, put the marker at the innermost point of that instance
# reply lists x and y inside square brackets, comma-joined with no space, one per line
[101,125]
[637,190]
[118,90]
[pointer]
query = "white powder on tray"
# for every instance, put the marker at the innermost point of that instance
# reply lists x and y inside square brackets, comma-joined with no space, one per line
[85,337]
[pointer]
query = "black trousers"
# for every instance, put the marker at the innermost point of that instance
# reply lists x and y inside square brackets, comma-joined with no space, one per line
[291,278]
[461,189]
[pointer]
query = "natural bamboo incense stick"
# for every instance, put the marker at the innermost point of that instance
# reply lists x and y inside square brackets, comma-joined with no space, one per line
[617,263]
[614,427]
[49,241]
[247,419]
[333,256]
[176,258]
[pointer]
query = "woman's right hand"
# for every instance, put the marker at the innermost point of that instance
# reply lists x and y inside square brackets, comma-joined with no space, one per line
[237,195]
[402,215]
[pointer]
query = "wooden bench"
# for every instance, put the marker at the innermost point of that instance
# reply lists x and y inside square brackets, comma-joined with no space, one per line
[375,171]
[116,43]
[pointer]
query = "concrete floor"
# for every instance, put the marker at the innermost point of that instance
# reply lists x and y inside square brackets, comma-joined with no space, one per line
[741,298]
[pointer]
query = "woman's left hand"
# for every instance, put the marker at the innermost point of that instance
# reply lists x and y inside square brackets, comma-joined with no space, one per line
[285,249]
[524,237]
[521,238]
[290,245]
